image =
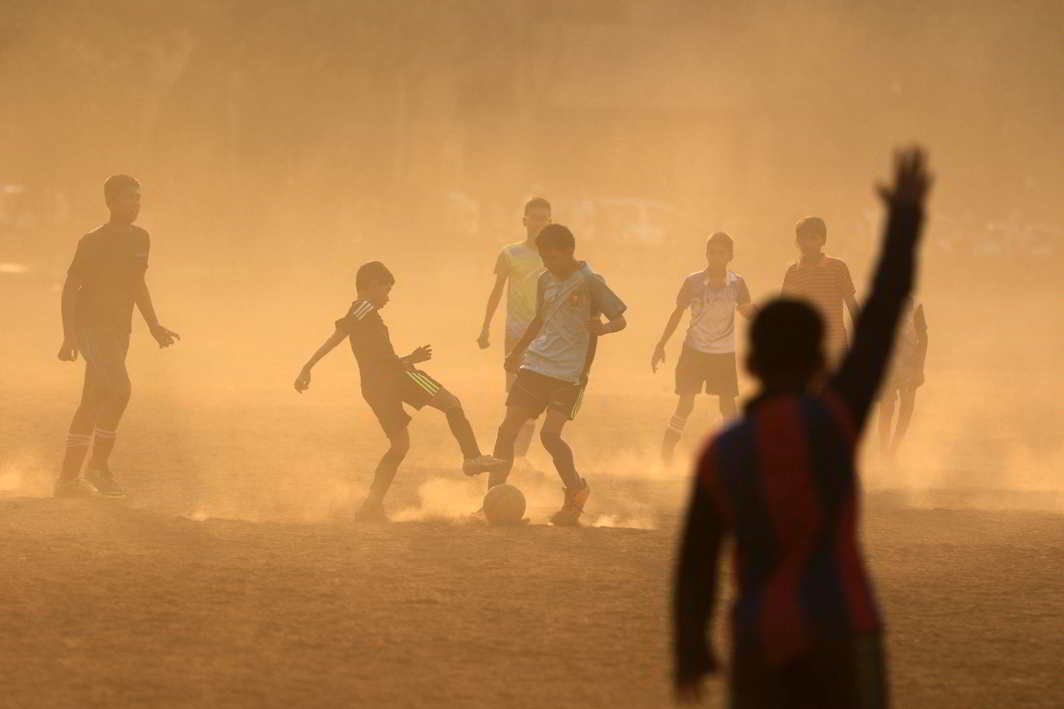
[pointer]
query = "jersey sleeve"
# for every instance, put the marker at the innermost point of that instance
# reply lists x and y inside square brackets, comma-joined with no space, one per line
[685,294]
[503,266]
[79,265]
[742,293]
[605,300]
[843,281]
[790,287]
[348,324]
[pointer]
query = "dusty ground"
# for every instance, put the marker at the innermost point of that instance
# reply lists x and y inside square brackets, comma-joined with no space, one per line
[233,576]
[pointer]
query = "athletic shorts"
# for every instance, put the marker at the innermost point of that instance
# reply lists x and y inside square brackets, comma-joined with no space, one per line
[715,373]
[104,352]
[412,387]
[848,674]
[537,392]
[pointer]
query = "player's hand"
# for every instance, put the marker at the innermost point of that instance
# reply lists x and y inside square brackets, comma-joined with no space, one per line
[68,351]
[484,340]
[303,380]
[912,181]
[164,336]
[657,358]
[512,362]
[421,354]
[688,691]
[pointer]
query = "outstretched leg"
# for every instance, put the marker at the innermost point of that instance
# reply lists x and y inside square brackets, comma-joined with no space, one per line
[684,406]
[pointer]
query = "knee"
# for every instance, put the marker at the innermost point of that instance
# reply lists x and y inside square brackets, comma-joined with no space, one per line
[551,440]
[400,446]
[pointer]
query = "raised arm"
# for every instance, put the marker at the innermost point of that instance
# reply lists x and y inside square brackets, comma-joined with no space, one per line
[861,372]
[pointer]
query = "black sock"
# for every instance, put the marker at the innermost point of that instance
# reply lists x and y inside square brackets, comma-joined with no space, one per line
[562,455]
[463,432]
[384,475]
[504,450]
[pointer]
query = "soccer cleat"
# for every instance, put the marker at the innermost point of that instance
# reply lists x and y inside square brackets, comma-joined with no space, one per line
[101,479]
[569,514]
[484,464]
[74,487]
[371,512]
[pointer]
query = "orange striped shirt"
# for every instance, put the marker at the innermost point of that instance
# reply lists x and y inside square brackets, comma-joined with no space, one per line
[826,283]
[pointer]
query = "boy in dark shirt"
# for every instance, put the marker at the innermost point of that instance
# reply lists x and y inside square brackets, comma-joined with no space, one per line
[806,630]
[389,381]
[103,283]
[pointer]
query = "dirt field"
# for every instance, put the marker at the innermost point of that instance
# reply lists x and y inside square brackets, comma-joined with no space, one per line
[242,582]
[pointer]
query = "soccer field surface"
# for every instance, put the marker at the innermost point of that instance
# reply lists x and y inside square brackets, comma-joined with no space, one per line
[233,576]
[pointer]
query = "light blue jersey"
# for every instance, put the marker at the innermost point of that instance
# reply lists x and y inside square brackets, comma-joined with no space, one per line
[565,346]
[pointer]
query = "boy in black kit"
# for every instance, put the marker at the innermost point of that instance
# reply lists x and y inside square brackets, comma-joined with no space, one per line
[389,381]
[103,283]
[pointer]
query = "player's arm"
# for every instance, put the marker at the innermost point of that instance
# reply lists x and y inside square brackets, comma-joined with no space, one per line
[670,327]
[852,307]
[743,302]
[861,372]
[493,304]
[68,305]
[303,380]
[142,298]
[695,591]
[513,358]
[607,303]
[614,324]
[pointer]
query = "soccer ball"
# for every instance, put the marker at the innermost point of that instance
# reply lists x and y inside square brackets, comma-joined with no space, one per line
[504,504]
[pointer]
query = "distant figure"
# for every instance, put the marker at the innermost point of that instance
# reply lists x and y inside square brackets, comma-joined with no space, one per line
[905,377]
[103,283]
[823,280]
[552,360]
[518,268]
[782,480]
[389,381]
[708,358]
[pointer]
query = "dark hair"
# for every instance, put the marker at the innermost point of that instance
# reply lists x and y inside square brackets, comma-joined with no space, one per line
[372,272]
[116,183]
[536,203]
[811,226]
[721,238]
[556,236]
[787,337]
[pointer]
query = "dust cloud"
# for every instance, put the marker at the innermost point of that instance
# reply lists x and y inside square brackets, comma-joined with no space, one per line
[280,145]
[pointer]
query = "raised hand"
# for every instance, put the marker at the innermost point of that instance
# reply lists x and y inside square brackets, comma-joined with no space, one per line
[912,181]
[164,336]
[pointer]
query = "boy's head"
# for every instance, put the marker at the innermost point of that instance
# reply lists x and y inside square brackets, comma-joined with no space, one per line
[719,250]
[811,233]
[374,282]
[786,344]
[122,195]
[537,216]
[556,246]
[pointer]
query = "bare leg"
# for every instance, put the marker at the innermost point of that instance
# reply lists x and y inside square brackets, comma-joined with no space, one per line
[905,415]
[560,452]
[516,417]
[524,437]
[388,466]
[684,406]
[462,431]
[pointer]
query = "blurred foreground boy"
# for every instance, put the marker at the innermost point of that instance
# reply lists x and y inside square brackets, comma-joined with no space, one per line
[806,630]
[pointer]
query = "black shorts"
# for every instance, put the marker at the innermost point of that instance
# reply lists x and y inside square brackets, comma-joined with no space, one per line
[849,673]
[104,351]
[412,387]
[715,372]
[537,392]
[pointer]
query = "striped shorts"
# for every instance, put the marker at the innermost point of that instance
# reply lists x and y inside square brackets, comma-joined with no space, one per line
[415,388]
